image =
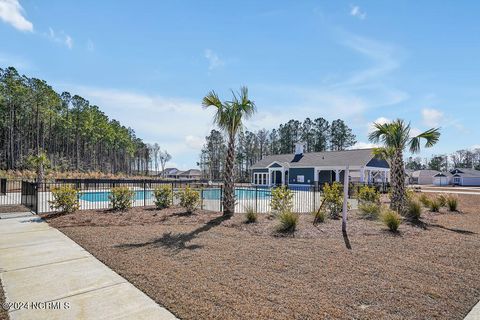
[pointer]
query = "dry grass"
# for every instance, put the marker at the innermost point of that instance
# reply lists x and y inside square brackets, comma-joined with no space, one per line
[203,266]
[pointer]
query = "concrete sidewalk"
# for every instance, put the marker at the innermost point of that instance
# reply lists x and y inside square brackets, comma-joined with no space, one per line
[474,314]
[46,275]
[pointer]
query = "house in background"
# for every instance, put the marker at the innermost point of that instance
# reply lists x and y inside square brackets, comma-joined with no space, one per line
[174,173]
[442,179]
[191,174]
[317,168]
[423,177]
[170,173]
[458,177]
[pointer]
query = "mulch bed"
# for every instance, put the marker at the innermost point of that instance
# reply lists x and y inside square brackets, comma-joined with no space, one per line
[203,266]
[3,311]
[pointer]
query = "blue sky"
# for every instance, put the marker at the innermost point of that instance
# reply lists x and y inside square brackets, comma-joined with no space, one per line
[149,63]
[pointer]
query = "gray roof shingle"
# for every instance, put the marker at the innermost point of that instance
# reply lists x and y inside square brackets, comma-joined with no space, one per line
[358,157]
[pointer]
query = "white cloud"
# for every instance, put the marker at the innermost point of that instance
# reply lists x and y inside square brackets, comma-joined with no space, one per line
[60,37]
[355,11]
[177,125]
[380,120]
[432,117]
[384,57]
[194,142]
[12,12]
[214,60]
[363,145]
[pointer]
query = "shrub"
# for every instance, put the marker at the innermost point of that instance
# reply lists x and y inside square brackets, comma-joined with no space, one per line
[163,196]
[121,198]
[391,219]
[414,209]
[442,200]
[368,194]
[410,194]
[452,203]
[434,205]
[251,215]
[288,221]
[369,210]
[65,198]
[333,197]
[319,216]
[282,199]
[424,200]
[189,199]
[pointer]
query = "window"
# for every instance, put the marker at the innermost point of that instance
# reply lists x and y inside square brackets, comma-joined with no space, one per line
[260,178]
[300,178]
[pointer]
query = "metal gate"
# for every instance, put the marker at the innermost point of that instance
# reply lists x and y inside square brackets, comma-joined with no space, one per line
[30,195]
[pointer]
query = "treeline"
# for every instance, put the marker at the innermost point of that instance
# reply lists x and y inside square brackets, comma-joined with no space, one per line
[468,159]
[318,134]
[74,134]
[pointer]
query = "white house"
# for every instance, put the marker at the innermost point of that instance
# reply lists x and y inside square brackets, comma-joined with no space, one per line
[317,168]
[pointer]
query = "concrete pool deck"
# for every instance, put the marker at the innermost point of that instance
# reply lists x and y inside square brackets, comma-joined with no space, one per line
[46,275]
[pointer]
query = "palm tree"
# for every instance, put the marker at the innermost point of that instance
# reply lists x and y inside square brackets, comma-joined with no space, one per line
[395,137]
[228,117]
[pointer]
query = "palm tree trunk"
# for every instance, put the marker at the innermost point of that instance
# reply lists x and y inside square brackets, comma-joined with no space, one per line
[229,196]
[398,183]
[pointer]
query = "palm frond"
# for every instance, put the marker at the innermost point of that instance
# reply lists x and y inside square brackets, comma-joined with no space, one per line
[431,136]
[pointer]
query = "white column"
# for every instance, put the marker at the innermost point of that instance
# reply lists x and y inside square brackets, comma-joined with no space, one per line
[362,175]
[283,177]
[337,175]
[269,177]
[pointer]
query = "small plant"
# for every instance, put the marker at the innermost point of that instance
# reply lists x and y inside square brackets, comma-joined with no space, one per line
[282,200]
[65,198]
[163,196]
[434,205]
[414,209]
[251,215]
[288,221]
[424,200]
[368,194]
[319,216]
[452,203]
[189,199]
[442,200]
[333,197]
[391,219]
[369,210]
[121,198]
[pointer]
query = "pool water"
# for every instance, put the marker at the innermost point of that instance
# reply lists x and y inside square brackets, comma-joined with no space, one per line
[208,194]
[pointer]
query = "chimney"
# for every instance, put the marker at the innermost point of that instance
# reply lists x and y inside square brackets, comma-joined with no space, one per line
[299,148]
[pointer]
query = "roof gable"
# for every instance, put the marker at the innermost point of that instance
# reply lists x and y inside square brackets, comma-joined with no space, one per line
[358,157]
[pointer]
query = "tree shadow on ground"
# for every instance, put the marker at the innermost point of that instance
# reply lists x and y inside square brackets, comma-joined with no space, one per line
[426,226]
[178,242]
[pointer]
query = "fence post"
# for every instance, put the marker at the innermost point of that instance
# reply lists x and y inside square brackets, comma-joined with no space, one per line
[173,193]
[256,199]
[36,196]
[314,196]
[221,197]
[144,192]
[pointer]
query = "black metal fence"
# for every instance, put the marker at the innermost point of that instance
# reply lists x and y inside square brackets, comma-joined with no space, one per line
[95,194]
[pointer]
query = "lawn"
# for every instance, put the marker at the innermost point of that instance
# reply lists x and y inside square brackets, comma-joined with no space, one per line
[202,266]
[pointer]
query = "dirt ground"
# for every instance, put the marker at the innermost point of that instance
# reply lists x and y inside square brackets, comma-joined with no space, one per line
[203,266]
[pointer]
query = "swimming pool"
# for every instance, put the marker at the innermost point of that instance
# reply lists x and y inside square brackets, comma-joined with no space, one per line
[207,194]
